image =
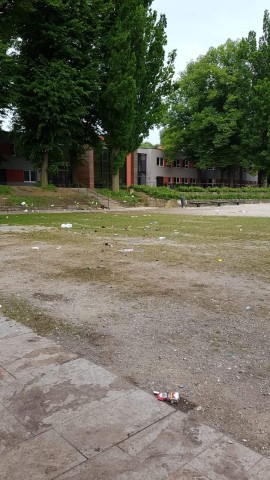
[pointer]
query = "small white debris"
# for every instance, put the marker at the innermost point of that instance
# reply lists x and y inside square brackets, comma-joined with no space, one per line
[162,238]
[58,248]
[126,250]
[23,204]
[66,225]
[199,408]
[35,248]
[1,306]
[26,210]
[52,205]
[248,307]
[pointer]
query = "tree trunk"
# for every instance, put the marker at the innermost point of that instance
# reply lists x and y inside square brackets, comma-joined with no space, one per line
[44,170]
[115,181]
[264,182]
[262,179]
[241,176]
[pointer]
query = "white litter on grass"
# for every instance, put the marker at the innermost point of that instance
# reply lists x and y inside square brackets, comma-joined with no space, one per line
[35,248]
[58,248]
[162,238]
[126,250]
[23,204]
[66,225]
[26,210]
[1,306]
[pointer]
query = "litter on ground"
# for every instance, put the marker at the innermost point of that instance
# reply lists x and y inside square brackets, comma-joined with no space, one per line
[66,225]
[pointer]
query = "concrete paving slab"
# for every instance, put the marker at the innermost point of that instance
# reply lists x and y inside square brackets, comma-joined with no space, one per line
[43,457]
[112,464]
[11,430]
[10,328]
[187,473]
[171,443]
[40,360]
[110,424]
[261,471]
[5,377]
[62,393]
[13,348]
[226,460]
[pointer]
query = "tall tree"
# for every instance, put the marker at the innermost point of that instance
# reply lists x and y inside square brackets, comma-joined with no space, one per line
[5,66]
[135,78]
[208,109]
[57,76]
[257,136]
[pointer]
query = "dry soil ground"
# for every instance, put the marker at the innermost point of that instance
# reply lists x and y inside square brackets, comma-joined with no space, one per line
[173,312]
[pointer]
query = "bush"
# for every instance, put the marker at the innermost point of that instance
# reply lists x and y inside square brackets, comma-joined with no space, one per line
[209,193]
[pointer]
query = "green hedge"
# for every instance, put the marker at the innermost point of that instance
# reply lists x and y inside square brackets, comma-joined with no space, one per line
[209,193]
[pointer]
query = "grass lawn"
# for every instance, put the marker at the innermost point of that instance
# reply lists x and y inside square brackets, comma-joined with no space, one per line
[234,244]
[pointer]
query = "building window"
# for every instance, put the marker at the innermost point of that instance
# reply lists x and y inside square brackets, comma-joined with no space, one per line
[177,180]
[160,162]
[186,163]
[30,176]
[185,180]
[177,163]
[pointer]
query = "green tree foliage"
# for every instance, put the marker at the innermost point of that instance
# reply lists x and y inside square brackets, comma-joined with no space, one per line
[5,66]
[207,110]
[5,78]
[220,113]
[147,145]
[57,75]
[135,78]
[256,134]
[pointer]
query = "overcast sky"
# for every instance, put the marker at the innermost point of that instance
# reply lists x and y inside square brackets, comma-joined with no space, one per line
[196,25]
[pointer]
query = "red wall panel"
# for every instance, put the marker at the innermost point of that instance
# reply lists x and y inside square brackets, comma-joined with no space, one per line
[14,176]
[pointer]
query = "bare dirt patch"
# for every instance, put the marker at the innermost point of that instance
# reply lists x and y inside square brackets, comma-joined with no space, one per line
[161,316]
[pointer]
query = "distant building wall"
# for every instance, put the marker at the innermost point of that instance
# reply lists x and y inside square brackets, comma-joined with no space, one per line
[14,170]
[158,172]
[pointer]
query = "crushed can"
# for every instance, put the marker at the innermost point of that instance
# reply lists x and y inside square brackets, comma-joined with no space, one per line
[172,397]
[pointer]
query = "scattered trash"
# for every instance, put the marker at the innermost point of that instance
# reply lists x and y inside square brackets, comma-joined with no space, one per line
[23,204]
[126,250]
[172,397]
[108,244]
[219,260]
[162,238]
[199,408]
[66,225]
[182,386]
[26,210]
[58,248]
[52,205]
[1,306]
[248,307]
[35,248]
